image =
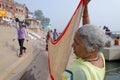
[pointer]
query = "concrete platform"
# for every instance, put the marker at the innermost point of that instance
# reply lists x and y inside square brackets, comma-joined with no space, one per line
[112,53]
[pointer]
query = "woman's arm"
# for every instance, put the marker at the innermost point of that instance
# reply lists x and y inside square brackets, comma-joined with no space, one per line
[86,19]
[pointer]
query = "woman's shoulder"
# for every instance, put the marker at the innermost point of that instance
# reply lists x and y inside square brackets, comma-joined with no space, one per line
[75,69]
[76,64]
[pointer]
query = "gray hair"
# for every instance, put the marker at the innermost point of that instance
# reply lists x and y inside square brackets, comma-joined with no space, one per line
[92,34]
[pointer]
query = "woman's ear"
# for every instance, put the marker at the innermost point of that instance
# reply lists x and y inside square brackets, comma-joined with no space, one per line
[94,48]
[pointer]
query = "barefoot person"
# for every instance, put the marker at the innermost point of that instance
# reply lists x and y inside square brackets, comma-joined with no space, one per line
[21,34]
[89,41]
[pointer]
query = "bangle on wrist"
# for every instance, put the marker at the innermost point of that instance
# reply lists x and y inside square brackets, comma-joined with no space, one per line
[85,16]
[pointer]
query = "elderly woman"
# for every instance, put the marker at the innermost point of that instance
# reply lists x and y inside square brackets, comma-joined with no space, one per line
[89,41]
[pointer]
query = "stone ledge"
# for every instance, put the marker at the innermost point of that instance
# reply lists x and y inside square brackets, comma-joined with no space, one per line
[17,69]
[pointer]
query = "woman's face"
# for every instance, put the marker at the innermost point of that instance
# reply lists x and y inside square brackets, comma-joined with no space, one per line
[79,47]
[20,24]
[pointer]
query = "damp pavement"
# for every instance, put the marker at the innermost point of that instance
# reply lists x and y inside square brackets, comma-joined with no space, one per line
[112,70]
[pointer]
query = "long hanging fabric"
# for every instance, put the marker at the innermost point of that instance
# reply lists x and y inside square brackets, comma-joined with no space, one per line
[59,51]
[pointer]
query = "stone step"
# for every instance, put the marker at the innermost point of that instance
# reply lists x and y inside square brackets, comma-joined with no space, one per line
[13,66]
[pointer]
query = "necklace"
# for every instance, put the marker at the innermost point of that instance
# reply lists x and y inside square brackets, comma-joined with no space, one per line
[94,59]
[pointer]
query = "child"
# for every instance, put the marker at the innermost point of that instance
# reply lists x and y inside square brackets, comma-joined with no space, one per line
[21,34]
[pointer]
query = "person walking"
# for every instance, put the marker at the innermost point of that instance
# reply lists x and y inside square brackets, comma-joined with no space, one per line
[21,34]
[55,35]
